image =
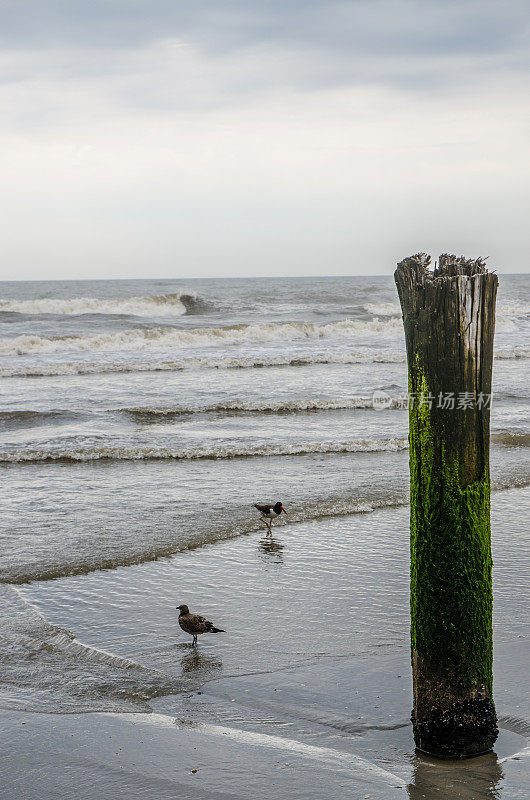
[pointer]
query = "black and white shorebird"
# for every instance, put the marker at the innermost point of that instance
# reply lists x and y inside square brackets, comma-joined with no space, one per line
[270,512]
[194,624]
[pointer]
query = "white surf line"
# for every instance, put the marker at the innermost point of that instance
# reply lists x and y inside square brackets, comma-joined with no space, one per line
[280,743]
[524,753]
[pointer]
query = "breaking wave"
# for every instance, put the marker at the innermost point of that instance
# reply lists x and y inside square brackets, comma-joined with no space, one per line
[45,665]
[242,362]
[215,451]
[262,407]
[508,317]
[383,309]
[175,304]
[95,451]
[253,361]
[504,311]
[11,420]
[511,438]
[209,527]
[512,353]
[141,339]
[24,418]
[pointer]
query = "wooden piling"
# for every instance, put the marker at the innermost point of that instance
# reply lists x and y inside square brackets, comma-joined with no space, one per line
[449,319]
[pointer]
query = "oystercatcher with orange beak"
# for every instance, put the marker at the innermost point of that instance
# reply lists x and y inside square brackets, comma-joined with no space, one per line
[268,513]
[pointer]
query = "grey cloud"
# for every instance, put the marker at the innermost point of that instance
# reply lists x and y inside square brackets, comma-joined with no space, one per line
[390,26]
[249,47]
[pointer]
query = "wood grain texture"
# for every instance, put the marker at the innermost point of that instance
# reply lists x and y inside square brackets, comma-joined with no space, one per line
[449,319]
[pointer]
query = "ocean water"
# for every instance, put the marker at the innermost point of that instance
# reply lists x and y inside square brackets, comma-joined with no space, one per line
[139,423]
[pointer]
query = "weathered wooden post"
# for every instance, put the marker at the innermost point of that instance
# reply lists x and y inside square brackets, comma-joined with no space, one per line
[449,318]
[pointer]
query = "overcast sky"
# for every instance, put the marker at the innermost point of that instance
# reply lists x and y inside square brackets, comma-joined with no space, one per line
[198,138]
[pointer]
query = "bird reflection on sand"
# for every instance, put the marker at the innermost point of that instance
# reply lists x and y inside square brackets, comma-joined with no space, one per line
[196,663]
[271,549]
[470,779]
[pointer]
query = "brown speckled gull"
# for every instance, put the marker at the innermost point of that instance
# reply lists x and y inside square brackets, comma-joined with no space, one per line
[194,624]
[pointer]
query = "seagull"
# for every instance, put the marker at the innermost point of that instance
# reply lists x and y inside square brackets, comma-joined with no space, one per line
[195,624]
[271,512]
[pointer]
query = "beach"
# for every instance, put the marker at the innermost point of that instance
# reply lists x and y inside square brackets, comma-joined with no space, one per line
[140,422]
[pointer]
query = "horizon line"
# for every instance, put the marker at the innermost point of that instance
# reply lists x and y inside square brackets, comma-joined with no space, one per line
[220,278]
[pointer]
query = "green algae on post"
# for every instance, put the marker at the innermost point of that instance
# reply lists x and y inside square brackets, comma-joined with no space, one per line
[449,320]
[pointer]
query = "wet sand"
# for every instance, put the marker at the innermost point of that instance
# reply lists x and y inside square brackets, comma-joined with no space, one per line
[274,736]
[307,695]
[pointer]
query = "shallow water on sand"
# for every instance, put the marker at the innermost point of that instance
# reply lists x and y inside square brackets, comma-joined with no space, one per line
[315,590]
[315,653]
[139,423]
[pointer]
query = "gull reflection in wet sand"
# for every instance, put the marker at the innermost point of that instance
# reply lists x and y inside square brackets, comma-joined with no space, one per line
[470,779]
[271,549]
[195,663]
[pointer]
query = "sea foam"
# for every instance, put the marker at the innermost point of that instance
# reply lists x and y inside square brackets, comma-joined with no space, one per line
[142,339]
[96,452]
[175,304]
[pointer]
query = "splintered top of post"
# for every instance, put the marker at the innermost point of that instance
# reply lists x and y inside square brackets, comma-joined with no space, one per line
[448,266]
